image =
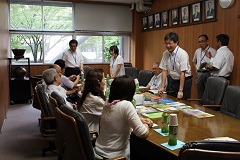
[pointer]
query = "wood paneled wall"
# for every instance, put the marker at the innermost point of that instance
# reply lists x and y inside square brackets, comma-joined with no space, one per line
[4,52]
[147,46]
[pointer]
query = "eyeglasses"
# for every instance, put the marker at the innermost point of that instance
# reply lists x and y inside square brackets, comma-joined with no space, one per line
[168,43]
[201,41]
[155,69]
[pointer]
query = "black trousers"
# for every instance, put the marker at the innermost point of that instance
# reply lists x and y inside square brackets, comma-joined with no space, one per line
[72,71]
[173,87]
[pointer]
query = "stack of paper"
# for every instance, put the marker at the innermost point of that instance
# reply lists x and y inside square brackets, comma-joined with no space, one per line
[197,113]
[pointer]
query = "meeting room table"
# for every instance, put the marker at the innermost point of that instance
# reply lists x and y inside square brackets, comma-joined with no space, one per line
[190,128]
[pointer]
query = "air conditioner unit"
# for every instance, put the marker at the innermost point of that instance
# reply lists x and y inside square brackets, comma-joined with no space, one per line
[140,7]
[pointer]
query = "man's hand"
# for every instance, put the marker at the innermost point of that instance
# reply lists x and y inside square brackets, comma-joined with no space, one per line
[180,95]
[160,91]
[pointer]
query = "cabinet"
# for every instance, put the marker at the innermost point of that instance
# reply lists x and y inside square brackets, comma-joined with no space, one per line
[20,88]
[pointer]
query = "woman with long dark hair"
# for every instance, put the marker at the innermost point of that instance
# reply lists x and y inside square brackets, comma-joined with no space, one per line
[119,118]
[92,101]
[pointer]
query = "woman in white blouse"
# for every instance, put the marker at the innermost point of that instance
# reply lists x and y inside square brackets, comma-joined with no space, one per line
[93,99]
[119,118]
[116,63]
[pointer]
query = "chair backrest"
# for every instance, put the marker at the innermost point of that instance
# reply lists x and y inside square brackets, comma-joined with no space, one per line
[144,77]
[210,150]
[131,71]
[86,69]
[214,90]
[43,101]
[231,102]
[77,138]
[34,80]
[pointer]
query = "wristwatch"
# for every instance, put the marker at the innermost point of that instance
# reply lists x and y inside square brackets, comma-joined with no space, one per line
[180,90]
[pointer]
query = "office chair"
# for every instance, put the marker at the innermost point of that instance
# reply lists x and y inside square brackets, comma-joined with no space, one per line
[210,150]
[131,71]
[213,93]
[144,77]
[34,80]
[48,121]
[77,137]
[231,102]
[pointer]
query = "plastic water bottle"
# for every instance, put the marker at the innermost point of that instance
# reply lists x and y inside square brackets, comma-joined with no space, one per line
[108,79]
[134,102]
[107,92]
[173,130]
[137,85]
[82,77]
[165,122]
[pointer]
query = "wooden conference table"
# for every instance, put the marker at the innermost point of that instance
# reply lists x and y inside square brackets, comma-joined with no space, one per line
[190,129]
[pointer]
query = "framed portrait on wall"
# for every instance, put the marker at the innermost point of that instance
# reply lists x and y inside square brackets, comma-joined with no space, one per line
[175,18]
[210,9]
[157,20]
[164,16]
[185,14]
[144,23]
[196,12]
[150,22]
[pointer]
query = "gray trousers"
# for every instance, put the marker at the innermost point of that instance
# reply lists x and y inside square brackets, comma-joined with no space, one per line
[201,80]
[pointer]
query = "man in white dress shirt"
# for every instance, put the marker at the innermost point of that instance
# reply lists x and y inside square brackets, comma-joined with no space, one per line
[155,82]
[175,62]
[73,59]
[200,58]
[222,64]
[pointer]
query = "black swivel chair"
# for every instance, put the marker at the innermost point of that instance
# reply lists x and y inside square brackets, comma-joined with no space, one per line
[231,102]
[34,81]
[214,92]
[77,137]
[131,71]
[48,121]
[144,77]
[86,69]
[210,150]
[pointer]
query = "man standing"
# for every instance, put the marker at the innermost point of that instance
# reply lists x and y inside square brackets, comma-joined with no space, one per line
[210,11]
[201,58]
[222,64]
[73,59]
[175,62]
[155,82]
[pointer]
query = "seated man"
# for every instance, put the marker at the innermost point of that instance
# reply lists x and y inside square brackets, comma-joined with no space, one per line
[155,82]
[52,79]
[67,82]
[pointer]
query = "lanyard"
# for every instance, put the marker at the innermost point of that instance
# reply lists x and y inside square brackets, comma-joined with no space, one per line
[174,60]
[75,58]
[114,59]
[204,54]
[155,81]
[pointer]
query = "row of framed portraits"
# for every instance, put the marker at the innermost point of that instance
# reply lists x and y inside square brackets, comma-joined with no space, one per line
[197,12]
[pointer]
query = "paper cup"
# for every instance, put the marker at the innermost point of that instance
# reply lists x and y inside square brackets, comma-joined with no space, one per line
[173,120]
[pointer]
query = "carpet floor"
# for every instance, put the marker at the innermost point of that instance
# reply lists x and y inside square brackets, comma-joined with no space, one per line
[20,138]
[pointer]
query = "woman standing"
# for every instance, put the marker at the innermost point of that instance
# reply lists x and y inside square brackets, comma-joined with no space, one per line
[116,63]
[119,118]
[92,101]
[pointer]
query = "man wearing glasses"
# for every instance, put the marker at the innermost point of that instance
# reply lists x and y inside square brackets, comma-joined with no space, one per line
[155,82]
[175,63]
[201,58]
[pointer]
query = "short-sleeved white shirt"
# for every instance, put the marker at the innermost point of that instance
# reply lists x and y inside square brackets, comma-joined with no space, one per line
[116,124]
[91,109]
[66,82]
[224,61]
[72,60]
[114,63]
[200,57]
[176,62]
[155,82]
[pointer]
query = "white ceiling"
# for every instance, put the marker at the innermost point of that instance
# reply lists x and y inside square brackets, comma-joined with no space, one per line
[116,1]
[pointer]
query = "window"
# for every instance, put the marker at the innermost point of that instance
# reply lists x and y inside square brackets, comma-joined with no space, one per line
[95,49]
[45,28]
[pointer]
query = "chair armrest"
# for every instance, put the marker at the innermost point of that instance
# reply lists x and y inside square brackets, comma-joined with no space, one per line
[194,99]
[118,158]
[211,105]
[93,134]
[49,118]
